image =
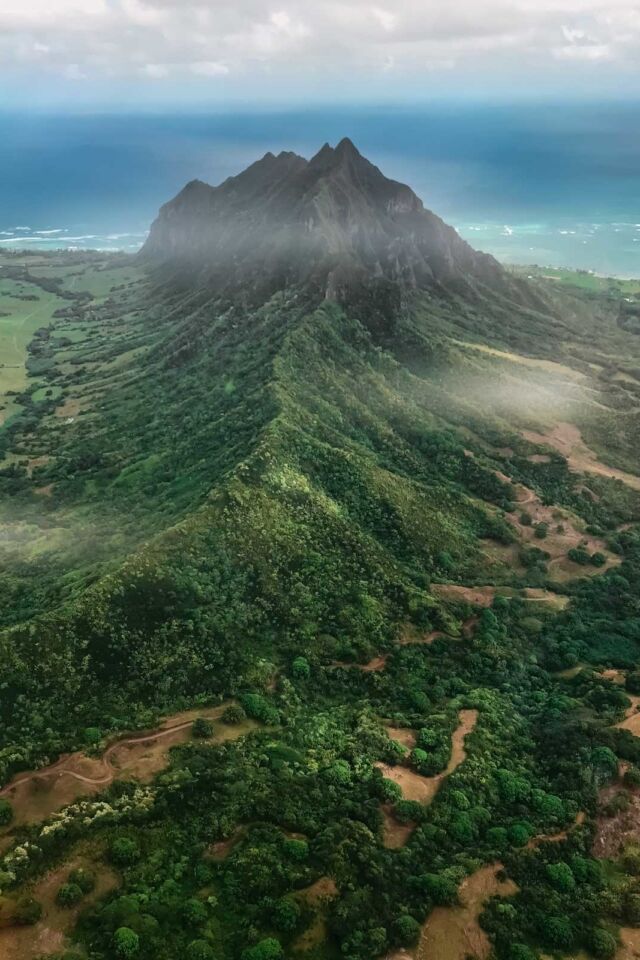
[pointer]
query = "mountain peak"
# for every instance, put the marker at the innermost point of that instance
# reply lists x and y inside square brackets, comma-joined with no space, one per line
[347,148]
[286,220]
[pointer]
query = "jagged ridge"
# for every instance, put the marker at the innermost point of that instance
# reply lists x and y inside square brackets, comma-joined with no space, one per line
[332,220]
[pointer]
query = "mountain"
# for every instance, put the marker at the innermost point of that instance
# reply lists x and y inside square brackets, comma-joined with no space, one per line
[363,502]
[332,222]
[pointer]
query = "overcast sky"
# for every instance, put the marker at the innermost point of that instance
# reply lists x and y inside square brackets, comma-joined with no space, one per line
[129,52]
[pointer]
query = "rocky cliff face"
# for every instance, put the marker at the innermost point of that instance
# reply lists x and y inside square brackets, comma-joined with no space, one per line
[333,220]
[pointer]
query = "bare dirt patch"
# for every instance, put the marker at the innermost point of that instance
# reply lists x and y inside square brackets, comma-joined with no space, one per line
[395,834]
[615,833]
[70,408]
[323,889]
[410,635]
[629,944]
[51,933]
[564,532]
[537,595]
[37,794]
[478,596]
[222,848]
[567,440]
[316,896]
[454,933]
[615,676]
[373,666]
[423,789]
[403,735]
[632,716]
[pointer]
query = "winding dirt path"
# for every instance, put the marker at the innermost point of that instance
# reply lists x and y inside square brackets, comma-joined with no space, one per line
[414,786]
[38,793]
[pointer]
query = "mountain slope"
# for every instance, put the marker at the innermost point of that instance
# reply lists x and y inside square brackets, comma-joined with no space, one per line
[285,456]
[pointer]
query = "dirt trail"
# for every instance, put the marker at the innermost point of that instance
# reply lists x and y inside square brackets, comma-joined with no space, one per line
[373,666]
[37,794]
[416,787]
[479,596]
[567,440]
[541,838]
[411,636]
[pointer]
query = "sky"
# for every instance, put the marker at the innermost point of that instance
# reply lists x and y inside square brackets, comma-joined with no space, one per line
[124,54]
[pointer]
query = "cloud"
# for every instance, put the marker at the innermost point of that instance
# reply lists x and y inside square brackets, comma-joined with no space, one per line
[73,71]
[584,51]
[209,68]
[329,41]
[156,71]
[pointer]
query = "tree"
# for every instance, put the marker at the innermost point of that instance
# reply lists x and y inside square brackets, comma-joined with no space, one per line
[301,669]
[286,914]
[631,778]
[199,950]
[605,764]
[497,837]
[603,944]
[407,930]
[69,894]
[6,812]
[519,834]
[126,943]
[83,878]
[632,909]
[559,932]
[92,736]
[296,849]
[202,728]
[520,951]
[124,851]
[233,714]
[561,877]
[194,912]
[27,912]
[268,949]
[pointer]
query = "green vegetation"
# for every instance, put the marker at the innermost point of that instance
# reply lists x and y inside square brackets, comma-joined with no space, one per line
[276,501]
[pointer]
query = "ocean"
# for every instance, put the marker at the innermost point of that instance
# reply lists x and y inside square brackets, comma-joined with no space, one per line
[557,185]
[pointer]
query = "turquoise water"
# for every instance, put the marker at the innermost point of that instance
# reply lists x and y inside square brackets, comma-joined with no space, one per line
[554,185]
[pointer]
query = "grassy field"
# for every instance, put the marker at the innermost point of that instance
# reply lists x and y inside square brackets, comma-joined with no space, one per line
[25,307]
[19,319]
[584,279]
